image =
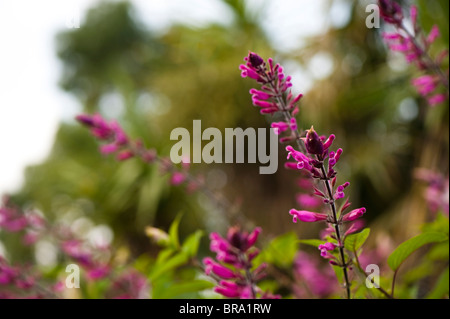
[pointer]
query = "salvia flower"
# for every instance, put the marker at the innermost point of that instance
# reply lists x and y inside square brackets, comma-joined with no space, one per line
[233,264]
[437,191]
[415,46]
[110,132]
[274,95]
[313,154]
[313,280]
[390,11]
[117,142]
[325,248]
[306,216]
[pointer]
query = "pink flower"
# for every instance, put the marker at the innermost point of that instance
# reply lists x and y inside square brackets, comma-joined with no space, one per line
[12,220]
[434,33]
[340,191]
[354,214]
[261,95]
[229,289]
[413,15]
[313,143]
[7,273]
[306,216]
[415,49]
[130,285]
[109,148]
[107,131]
[58,287]
[177,178]
[436,99]
[30,238]
[235,250]
[308,201]
[390,11]
[425,84]
[324,248]
[279,127]
[274,82]
[320,282]
[218,269]
[124,155]
[98,272]
[354,227]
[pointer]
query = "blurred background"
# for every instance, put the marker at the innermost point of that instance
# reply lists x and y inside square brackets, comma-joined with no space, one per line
[158,65]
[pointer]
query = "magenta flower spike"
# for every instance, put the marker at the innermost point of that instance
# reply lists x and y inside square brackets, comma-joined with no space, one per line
[234,255]
[313,154]
[415,47]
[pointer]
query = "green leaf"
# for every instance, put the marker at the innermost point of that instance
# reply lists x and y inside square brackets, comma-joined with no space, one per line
[173,232]
[163,255]
[191,244]
[170,264]
[441,289]
[181,288]
[439,225]
[439,251]
[405,249]
[339,273]
[424,269]
[280,251]
[311,242]
[354,242]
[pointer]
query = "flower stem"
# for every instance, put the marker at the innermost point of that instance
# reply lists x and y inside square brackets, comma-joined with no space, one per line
[280,98]
[248,275]
[287,115]
[344,266]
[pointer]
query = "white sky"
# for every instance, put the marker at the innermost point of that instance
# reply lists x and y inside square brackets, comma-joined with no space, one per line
[31,104]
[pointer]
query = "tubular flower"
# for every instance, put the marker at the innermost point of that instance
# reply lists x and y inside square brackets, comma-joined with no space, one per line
[234,256]
[274,95]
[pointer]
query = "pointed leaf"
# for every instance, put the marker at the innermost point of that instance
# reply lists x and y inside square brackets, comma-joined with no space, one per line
[181,288]
[311,242]
[441,289]
[354,242]
[173,232]
[190,245]
[405,249]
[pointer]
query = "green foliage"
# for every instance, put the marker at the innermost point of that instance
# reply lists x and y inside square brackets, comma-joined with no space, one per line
[354,242]
[172,274]
[405,249]
[173,233]
[192,243]
[280,251]
[177,290]
[441,289]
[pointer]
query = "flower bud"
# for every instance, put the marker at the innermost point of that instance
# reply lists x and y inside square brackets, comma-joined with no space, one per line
[255,60]
[313,143]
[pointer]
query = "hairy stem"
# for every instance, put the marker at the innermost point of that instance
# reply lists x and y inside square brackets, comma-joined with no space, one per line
[326,181]
[280,98]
